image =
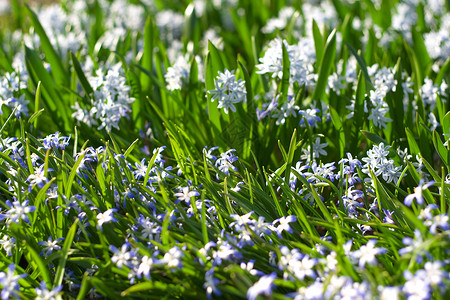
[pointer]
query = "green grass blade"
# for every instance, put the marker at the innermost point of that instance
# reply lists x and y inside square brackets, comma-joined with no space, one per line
[79,71]
[52,98]
[362,65]
[286,72]
[212,62]
[318,41]
[326,65]
[65,253]
[147,55]
[53,58]
[73,173]
[336,120]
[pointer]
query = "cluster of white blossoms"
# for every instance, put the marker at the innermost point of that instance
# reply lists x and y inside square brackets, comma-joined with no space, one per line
[64,29]
[301,58]
[111,100]
[228,91]
[279,23]
[384,81]
[10,95]
[377,161]
[178,73]
[123,17]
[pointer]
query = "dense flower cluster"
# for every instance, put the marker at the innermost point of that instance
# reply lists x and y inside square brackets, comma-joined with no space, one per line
[228,91]
[111,100]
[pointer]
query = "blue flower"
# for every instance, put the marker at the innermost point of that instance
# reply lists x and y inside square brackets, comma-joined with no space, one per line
[50,246]
[44,293]
[17,211]
[418,193]
[10,283]
[56,141]
[263,286]
[226,160]
[284,224]
[310,116]
[38,178]
[106,217]
[211,284]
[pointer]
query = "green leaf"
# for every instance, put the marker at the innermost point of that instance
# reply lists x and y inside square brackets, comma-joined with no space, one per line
[318,40]
[358,115]
[147,55]
[286,72]
[251,118]
[73,173]
[442,72]
[80,74]
[384,200]
[326,65]
[138,105]
[52,98]
[417,71]
[37,100]
[440,148]
[280,210]
[290,156]
[340,129]
[84,288]
[374,138]
[431,170]
[362,65]
[52,57]
[413,147]
[214,64]
[446,123]
[65,253]
[34,258]
[420,49]
[39,198]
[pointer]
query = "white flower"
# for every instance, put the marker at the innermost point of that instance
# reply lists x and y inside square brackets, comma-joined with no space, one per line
[335,83]
[8,243]
[177,74]
[18,211]
[228,91]
[43,293]
[377,115]
[211,284]
[186,194]
[288,108]
[263,286]
[416,286]
[10,283]
[304,267]
[367,253]
[280,22]
[173,258]
[144,267]
[50,246]
[310,116]
[284,224]
[433,121]
[123,257]
[106,217]
[301,58]
[418,193]
[389,292]
[318,149]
